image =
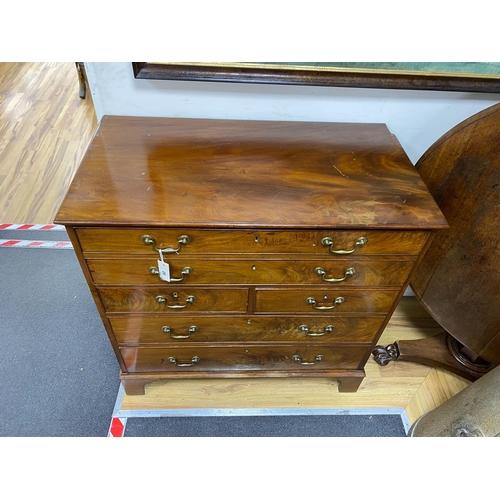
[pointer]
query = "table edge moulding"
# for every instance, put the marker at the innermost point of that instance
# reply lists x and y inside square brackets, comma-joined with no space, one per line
[232,248]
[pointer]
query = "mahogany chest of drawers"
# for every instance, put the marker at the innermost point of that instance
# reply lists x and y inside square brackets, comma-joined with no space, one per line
[218,248]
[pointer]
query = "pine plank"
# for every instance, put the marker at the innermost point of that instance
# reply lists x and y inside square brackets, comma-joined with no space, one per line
[438,387]
[270,394]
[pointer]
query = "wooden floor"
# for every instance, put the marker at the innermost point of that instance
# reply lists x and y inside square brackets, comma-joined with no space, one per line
[44,130]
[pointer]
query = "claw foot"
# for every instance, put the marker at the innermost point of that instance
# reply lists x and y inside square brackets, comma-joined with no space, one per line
[383,355]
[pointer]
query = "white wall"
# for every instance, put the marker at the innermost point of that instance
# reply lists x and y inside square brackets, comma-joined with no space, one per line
[417,118]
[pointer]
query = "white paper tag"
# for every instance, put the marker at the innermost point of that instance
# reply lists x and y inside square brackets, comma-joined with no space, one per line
[164,270]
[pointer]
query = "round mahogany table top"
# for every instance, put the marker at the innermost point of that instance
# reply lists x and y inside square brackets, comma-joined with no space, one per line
[458,280]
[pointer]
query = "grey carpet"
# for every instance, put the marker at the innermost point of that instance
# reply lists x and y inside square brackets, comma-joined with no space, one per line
[33,235]
[268,426]
[59,376]
[58,373]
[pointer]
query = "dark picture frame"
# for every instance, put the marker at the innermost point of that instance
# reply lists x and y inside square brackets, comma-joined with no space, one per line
[463,77]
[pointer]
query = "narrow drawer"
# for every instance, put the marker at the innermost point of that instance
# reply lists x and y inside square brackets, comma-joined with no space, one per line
[195,271]
[213,241]
[245,357]
[185,300]
[143,329]
[325,300]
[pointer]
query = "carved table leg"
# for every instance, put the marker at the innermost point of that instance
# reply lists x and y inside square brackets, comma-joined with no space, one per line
[441,351]
[383,355]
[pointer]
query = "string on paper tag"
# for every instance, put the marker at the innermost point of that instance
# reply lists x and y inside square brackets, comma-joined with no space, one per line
[163,268]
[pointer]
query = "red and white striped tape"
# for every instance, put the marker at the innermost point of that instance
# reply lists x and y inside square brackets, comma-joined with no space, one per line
[117,427]
[41,227]
[18,243]
[35,244]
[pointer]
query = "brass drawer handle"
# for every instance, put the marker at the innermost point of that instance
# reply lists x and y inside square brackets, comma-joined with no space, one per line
[305,329]
[328,242]
[337,301]
[185,271]
[194,360]
[149,240]
[191,329]
[162,300]
[321,272]
[297,358]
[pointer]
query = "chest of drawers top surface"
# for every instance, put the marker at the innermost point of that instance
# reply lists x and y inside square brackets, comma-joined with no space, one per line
[237,174]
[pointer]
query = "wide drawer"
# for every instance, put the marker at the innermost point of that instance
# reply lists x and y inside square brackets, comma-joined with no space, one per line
[142,329]
[324,300]
[345,272]
[244,357]
[205,241]
[174,301]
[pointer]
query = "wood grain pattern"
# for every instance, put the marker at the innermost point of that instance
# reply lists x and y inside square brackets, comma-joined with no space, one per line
[212,241]
[235,173]
[251,272]
[44,130]
[144,299]
[217,360]
[328,78]
[142,329]
[438,386]
[355,300]
[222,189]
[459,279]
[273,393]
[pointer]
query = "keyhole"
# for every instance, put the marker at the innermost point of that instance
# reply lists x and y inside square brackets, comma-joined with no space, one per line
[256,239]
[325,297]
[174,295]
